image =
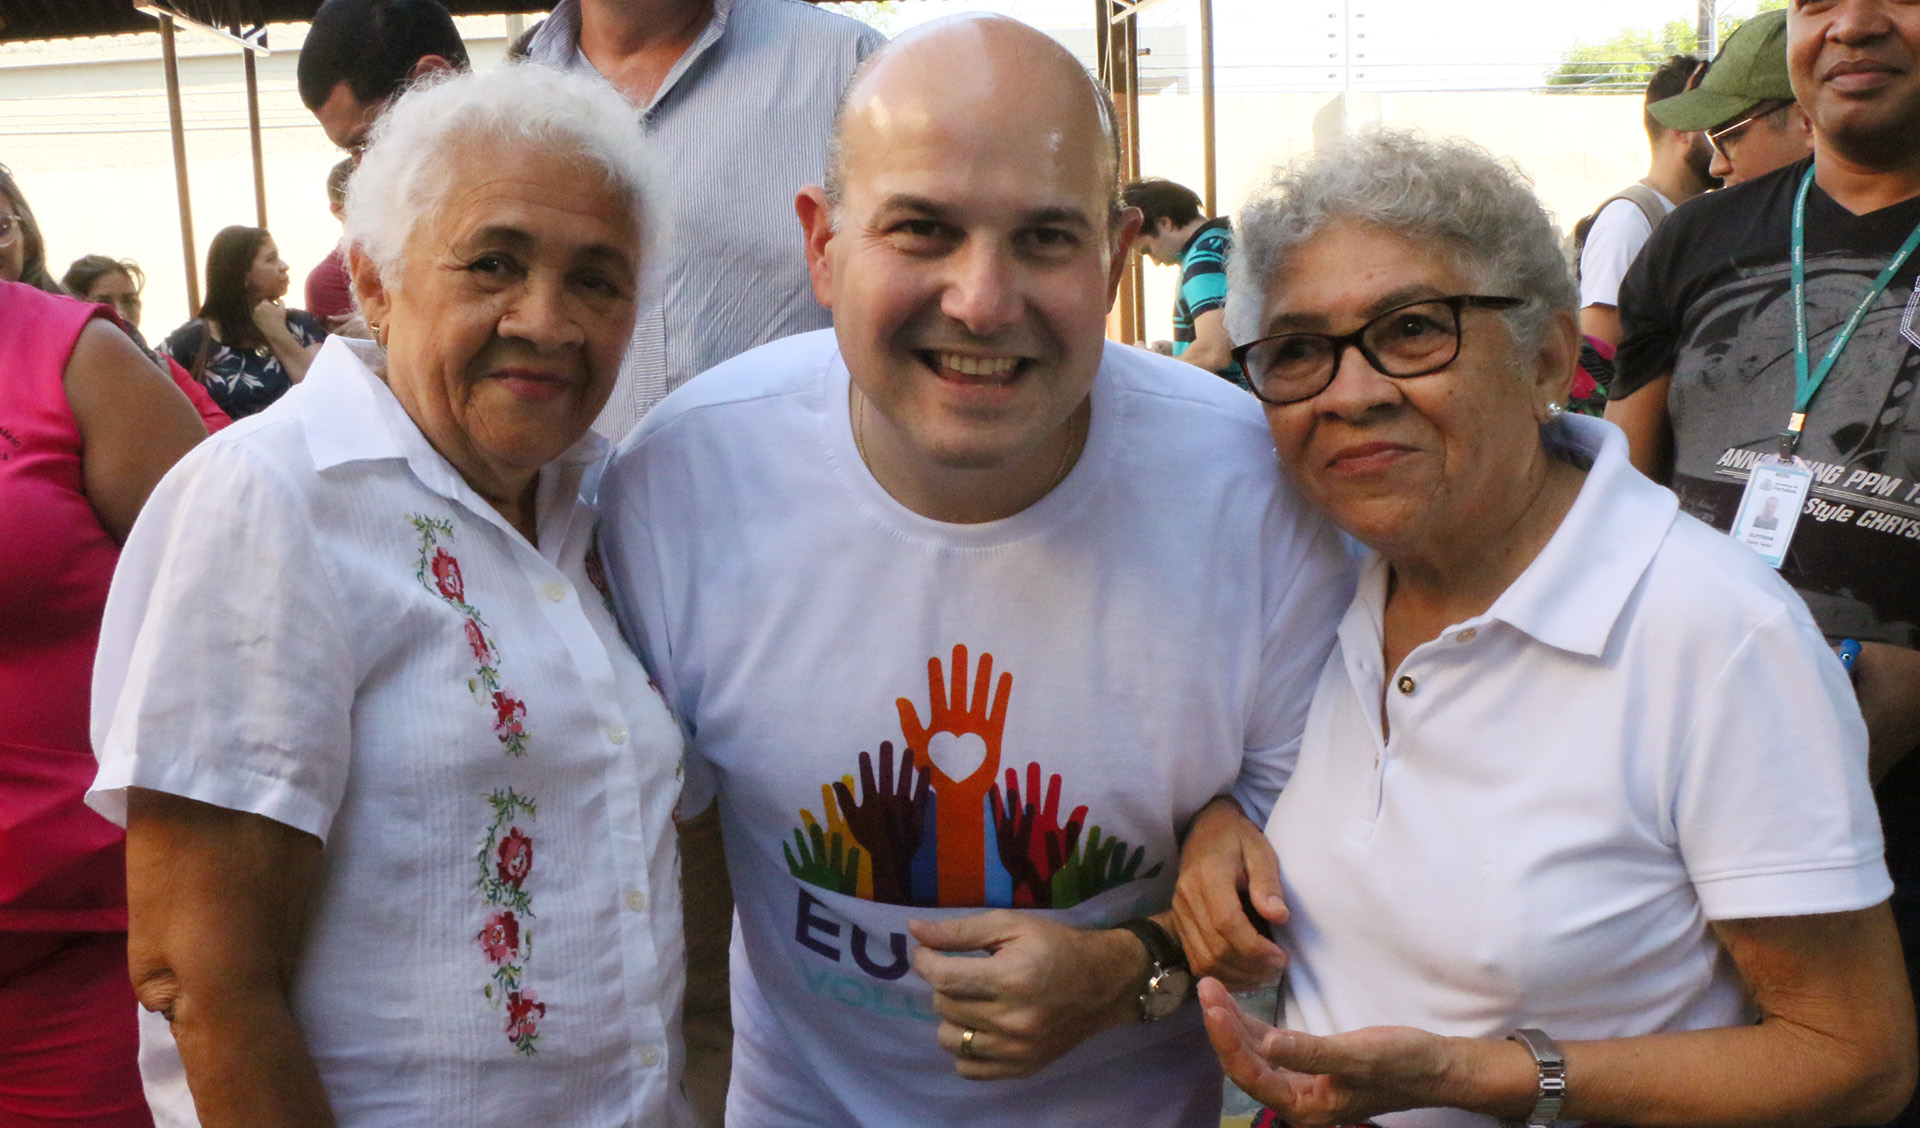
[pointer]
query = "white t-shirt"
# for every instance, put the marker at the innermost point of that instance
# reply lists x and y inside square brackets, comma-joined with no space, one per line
[1645,733]
[1153,628]
[1613,242]
[316,620]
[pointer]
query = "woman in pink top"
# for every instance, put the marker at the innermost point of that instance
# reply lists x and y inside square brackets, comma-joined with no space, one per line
[87,426]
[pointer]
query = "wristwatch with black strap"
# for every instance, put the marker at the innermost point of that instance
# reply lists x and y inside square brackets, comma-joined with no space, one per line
[1169,981]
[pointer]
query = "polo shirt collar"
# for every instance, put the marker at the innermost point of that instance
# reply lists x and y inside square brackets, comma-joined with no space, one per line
[1573,593]
[353,416]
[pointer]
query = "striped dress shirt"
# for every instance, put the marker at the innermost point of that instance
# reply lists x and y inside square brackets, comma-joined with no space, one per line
[739,125]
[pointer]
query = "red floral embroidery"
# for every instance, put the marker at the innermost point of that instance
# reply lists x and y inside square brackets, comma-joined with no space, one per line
[524,1012]
[500,938]
[446,575]
[507,713]
[516,858]
[477,642]
[504,858]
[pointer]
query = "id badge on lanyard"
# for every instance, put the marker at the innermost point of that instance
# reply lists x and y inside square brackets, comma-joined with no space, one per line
[1778,487]
[1770,508]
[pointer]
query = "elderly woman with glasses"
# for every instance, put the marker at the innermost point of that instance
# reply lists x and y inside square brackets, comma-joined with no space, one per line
[1580,827]
[398,799]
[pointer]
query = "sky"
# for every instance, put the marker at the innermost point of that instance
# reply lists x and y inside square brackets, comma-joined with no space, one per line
[1302,44]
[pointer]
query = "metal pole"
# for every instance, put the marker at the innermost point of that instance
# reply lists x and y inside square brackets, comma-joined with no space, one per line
[253,132]
[171,63]
[1136,296]
[1208,162]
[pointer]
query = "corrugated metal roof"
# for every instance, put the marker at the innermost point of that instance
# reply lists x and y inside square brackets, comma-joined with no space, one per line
[63,19]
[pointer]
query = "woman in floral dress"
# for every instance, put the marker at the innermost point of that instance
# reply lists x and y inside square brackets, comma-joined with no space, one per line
[246,346]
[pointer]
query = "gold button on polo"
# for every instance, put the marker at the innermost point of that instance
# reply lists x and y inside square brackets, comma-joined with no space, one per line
[1466,635]
[1404,685]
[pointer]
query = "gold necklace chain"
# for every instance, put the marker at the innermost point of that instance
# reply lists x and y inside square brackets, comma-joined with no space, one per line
[1076,441]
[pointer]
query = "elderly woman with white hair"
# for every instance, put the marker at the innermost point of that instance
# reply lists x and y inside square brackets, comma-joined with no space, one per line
[398,798]
[1580,828]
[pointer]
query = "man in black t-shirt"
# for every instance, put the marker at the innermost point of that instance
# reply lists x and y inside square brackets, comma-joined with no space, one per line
[1706,369]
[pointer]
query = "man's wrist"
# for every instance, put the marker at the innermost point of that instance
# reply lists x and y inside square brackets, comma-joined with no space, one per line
[1122,950]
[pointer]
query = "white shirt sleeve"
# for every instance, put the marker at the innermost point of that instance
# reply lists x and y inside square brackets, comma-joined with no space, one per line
[639,601]
[1299,636]
[223,674]
[1614,241]
[1771,806]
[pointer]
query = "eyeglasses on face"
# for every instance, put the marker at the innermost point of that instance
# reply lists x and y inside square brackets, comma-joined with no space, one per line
[1727,134]
[1409,340]
[10,227]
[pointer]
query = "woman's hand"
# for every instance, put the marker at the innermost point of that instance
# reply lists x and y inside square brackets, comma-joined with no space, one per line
[270,317]
[1347,1078]
[1224,857]
[1834,1045]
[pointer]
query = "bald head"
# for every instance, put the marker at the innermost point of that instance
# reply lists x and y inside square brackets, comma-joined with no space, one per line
[979,67]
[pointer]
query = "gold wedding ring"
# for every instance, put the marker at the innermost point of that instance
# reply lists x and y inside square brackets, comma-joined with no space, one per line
[966,1044]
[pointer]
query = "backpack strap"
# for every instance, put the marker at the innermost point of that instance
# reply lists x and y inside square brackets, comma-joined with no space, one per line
[1637,194]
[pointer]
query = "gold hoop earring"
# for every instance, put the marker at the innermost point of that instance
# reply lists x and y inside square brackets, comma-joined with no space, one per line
[380,336]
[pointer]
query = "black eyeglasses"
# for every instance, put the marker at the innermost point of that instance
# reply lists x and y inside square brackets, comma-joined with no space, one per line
[1727,134]
[1410,340]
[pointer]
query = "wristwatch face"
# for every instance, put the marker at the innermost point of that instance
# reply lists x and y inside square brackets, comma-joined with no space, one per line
[1167,988]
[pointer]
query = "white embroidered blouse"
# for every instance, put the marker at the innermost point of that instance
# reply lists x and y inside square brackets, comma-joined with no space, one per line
[316,620]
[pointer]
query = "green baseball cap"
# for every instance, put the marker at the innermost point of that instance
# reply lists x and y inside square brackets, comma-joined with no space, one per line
[1750,69]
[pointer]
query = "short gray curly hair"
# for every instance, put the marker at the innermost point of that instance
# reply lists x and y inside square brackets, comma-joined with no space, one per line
[405,174]
[1482,210]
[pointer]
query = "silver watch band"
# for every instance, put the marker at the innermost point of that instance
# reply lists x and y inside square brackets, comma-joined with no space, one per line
[1553,1078]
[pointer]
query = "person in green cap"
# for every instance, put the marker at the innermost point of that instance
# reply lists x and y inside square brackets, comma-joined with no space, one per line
[1745,104]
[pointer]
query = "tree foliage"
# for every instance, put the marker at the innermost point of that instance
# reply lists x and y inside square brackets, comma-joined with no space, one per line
[1625,60]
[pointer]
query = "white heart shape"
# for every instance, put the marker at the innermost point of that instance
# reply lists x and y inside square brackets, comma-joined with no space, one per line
[958,755]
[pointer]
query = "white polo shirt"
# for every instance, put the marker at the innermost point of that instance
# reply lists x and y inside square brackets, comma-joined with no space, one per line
[1644,733]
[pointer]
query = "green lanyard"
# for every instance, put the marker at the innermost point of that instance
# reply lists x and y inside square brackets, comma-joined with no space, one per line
[1807,383]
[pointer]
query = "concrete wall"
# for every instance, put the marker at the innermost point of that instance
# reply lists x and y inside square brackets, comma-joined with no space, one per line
[1578,149]
[84,127]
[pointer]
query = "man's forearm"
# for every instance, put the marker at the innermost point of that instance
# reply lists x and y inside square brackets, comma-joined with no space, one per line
[1889,687]
[1211,359]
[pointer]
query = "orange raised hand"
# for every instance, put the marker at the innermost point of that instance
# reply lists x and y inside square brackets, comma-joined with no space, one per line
[960,836]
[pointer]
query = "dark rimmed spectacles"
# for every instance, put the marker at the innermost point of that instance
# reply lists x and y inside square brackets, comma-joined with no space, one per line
[1410,340]
[1727,134]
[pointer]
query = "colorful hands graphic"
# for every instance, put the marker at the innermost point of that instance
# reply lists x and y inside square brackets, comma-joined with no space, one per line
[1084,875]
[888,820]
[1031,842]
[960,839]
[828,862]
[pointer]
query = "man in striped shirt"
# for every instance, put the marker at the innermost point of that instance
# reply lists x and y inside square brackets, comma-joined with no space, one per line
[1175,233]
[736,99]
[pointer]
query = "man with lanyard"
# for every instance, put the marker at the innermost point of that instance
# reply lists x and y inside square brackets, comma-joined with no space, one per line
[1780,319]
[1173,232]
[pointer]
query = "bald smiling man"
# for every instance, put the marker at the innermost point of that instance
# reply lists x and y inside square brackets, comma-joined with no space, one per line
[969,615]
